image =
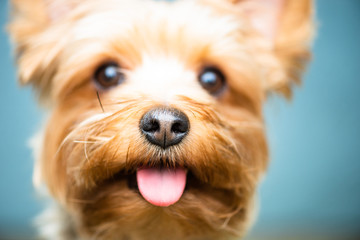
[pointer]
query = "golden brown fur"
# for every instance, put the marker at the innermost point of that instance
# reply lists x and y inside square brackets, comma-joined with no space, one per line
[88,154]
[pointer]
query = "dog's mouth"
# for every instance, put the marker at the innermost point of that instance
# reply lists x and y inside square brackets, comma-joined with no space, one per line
[159,186]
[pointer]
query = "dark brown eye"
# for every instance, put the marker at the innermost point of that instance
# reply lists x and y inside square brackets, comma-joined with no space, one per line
[212,80]
[108,75]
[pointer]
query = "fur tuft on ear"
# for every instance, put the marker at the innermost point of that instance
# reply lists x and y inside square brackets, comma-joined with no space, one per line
[288,26]
[292,44]
[37,42]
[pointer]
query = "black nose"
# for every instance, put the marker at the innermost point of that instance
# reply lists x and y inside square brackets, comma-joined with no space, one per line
[164,126]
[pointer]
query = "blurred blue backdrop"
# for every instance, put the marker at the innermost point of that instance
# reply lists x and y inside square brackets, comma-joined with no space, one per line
[312,189]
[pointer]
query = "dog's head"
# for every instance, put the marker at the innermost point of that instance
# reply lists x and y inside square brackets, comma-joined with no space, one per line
[156,120]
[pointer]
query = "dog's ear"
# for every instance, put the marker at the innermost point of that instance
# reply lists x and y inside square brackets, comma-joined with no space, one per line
[286,27]
[35,29]
[289,27]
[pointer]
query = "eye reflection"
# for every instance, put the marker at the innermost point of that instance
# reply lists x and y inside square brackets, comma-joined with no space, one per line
[108,75]
[212,80]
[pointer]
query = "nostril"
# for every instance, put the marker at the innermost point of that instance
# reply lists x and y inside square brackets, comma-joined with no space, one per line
[179,127]
[151,125]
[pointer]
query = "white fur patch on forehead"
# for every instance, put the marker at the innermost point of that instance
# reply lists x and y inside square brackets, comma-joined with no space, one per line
[164,78]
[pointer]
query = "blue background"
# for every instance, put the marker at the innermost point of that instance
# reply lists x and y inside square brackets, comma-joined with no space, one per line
[312,189]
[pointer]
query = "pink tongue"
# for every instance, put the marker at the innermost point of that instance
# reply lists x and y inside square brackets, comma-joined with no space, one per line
[161,187]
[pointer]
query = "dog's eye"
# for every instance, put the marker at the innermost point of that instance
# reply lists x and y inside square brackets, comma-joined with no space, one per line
[108,75]
[212,80]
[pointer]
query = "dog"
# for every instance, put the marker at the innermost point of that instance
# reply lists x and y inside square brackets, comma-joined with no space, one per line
[155,127]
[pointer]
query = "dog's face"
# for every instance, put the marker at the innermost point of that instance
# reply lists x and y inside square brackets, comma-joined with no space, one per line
[156,124]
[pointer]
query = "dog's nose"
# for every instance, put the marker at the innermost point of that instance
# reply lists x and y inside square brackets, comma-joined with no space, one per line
[164,126]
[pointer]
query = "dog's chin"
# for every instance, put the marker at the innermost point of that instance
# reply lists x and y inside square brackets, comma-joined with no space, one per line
[119,203]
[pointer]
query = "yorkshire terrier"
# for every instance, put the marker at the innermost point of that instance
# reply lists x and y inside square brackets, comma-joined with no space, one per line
[155,127]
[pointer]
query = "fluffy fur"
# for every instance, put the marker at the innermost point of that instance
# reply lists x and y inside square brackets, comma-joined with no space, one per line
[87,155]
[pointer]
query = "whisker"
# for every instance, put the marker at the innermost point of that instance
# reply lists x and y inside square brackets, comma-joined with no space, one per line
[85,152]
[84,141]
[96,139]
[98,97]
[62,145]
